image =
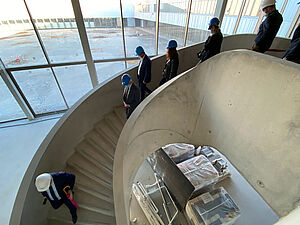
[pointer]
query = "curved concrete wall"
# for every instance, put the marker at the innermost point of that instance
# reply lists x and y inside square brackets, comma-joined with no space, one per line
[59,145]
[244,103]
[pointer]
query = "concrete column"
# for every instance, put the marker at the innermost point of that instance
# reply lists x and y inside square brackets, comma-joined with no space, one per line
[220,9]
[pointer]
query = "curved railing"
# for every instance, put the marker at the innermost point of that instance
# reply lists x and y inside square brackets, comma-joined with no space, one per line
[59,144]
[244,103]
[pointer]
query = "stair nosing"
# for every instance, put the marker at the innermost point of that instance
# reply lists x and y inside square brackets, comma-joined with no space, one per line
[95,194]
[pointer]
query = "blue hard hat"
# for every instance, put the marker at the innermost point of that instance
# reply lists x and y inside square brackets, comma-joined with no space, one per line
[172,44]
[125,79]
[213,21]
[139,50]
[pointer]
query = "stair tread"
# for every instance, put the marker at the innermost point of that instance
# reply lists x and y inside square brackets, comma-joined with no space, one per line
[91,151]
[114,120]
[57,219]
[95,193]
[91,176]
[120,112]
[107,131]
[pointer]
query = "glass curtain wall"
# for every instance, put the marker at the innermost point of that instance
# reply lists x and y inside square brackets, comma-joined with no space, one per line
[55,21]
[201,13]
[18,44]
[139,25]
[172,21]
[288,17]
[249,18]
[231,13]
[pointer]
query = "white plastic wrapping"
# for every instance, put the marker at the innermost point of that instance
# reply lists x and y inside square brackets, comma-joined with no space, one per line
[199,171]
[213,208]
[179,152]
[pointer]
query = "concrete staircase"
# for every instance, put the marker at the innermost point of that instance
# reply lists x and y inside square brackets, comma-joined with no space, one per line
[92,163]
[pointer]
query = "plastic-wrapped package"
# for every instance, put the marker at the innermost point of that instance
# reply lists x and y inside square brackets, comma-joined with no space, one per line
[213,208]
[199,171]
[179,152]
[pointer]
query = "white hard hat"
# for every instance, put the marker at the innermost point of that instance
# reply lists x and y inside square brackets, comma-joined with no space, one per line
[266,3]
[42,182]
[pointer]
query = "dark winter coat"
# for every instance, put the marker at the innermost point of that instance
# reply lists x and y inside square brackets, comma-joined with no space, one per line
[293,52]
[268,30]
[170,70]
[131,96]
[145,70]
[63,182]
[212,46]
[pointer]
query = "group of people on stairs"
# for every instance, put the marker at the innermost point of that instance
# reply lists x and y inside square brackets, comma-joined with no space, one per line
[57,188]
[268,30]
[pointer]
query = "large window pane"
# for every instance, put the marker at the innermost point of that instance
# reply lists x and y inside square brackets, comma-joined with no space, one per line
[9,108]
[172,20]
[288,16]
[18,43]
[55,21]
[249,17]
[108,69]
[103,25]
[231,12]
[139,25]
[40,89]
[201,13]
[74,80]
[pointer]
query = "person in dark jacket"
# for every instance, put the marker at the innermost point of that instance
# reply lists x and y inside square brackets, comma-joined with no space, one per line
[268,28]
[172,63]
[57,188]
[213,43]
[293,52]
[144,71]
[131,95]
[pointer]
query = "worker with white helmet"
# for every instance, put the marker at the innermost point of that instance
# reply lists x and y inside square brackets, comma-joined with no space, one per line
[269,27]
[57,188]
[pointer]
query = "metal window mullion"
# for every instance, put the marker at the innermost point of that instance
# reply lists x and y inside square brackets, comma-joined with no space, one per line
[14,90]
[260,18]
[44,52]
[85,42]
[293,24]
[157,26]
[283,6]
[123,33]
[187,22]
[239,16]
[220,9]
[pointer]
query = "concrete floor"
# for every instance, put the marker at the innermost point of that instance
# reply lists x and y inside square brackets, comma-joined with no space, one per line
[254,209]
[18,144]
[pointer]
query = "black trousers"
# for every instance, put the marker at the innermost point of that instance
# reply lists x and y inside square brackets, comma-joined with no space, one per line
[143,90]
[67,202]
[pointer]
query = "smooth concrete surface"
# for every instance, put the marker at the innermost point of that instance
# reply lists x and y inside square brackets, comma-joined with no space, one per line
[244,103]
[18,145]
[80,118]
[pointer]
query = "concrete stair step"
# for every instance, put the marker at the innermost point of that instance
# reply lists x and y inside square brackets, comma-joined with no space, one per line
[96,194]
[92,176]
[107,131]
[85,198]
[59,221]
[90,151]
[96,141]
[93,167]
[101,143]
[96,163]
[84,213]
[115,122]
[85,181]
[121,113]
